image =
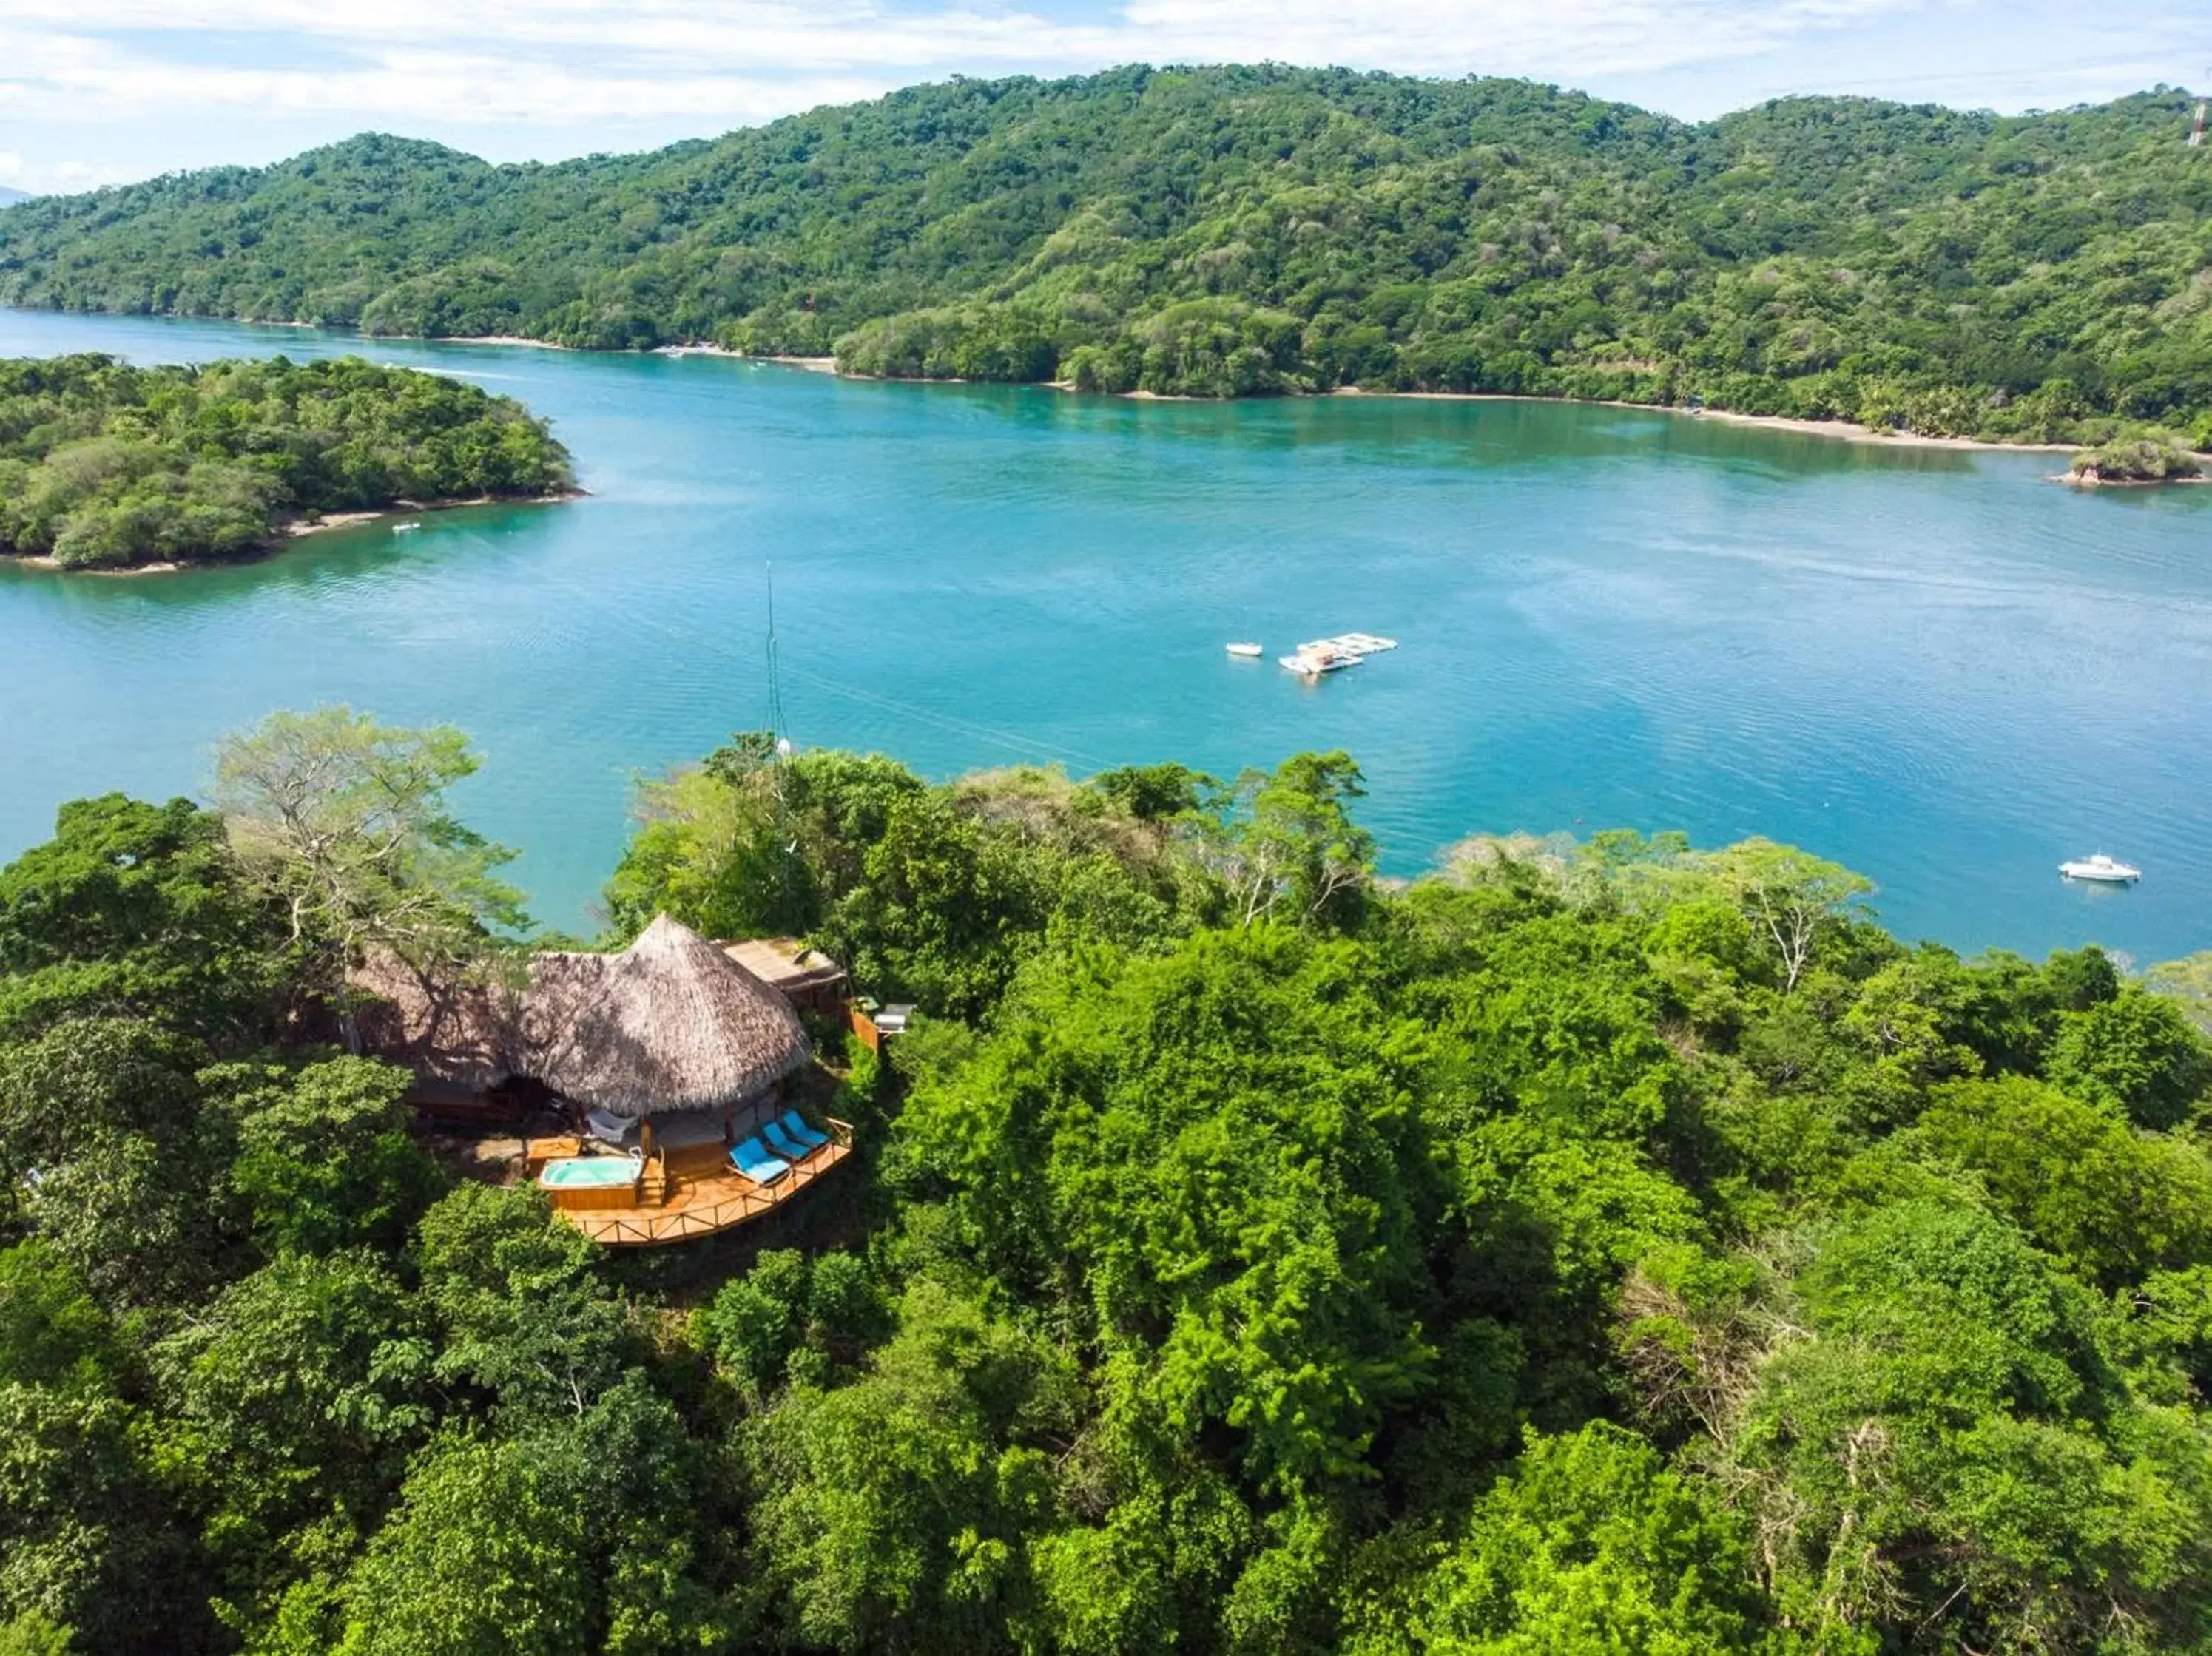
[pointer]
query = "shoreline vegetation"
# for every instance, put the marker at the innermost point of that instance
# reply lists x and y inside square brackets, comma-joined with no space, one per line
[288,531]
[105,467]
[1838,428]
[1602,1244]
[1848,431]
[1233,231]
[1843,430]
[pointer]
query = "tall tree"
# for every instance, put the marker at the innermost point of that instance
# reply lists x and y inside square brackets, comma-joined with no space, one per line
[1793,899]
[344,822]
[1293,849]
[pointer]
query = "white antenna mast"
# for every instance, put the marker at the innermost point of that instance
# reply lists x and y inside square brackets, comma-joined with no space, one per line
[774,671]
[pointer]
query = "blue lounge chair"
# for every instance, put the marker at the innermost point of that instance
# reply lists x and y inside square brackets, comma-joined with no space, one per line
[786,1143]
[756,1164]
[793,1124]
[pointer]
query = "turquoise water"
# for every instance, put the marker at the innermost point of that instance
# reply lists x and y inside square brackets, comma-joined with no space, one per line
[1930,665]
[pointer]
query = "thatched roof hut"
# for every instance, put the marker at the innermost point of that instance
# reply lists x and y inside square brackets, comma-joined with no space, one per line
[668,1024]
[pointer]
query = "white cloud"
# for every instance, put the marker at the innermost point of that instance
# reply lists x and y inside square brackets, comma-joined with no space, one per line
[509,61]
[250,79]
[1548,38]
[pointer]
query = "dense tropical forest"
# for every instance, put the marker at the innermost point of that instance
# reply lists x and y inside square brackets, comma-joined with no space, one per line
[1613,1246]
[105,465]
[1232,230]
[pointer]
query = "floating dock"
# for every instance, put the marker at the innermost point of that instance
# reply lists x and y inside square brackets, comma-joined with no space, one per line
[1327,655]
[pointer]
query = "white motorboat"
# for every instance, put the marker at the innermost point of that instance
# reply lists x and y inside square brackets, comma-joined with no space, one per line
[1244,649]
[405,529]
[2102,869]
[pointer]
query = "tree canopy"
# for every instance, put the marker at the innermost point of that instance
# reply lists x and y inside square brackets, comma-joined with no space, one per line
[1620,1246]
[104,464]
[341,825]
[1228,230]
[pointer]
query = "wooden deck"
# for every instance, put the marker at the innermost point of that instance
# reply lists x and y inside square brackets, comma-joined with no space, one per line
[698,1207]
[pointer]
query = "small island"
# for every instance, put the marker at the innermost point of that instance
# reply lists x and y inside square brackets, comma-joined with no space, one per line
[106,466]
[2144,460]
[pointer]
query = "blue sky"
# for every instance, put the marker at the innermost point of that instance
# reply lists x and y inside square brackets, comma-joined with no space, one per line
[103,91]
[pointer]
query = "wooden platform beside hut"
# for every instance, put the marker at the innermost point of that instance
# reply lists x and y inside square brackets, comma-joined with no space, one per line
[693,1206]
[671,1033]
[805,977]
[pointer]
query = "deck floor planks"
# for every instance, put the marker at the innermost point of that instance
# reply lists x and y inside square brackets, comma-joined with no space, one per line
[703,1207]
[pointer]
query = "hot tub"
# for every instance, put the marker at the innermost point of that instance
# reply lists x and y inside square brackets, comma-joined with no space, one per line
[579,1182]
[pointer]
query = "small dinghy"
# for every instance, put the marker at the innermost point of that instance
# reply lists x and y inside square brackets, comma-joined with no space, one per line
[2101,869]
[1252,650]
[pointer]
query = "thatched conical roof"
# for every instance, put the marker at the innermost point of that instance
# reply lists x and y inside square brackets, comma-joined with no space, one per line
[668,1023]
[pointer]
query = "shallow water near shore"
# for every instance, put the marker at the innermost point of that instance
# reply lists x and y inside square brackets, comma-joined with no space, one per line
[1931,666]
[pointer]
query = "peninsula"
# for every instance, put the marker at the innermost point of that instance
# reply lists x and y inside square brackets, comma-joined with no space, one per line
[107,466]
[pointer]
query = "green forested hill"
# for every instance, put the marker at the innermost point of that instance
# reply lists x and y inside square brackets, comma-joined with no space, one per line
[1231,230]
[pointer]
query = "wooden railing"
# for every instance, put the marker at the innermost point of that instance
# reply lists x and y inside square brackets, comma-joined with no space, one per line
[707,1207]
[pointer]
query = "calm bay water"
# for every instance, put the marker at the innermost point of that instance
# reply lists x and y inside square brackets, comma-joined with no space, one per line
[1931,666]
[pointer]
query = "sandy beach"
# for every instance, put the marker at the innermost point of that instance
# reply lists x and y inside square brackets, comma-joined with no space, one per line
[1848,431]
[301,527]
[486,339]
[702,348]
[45,561]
